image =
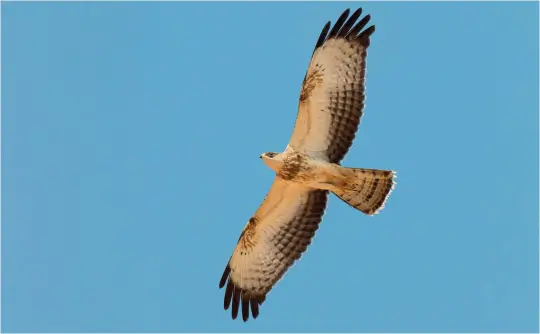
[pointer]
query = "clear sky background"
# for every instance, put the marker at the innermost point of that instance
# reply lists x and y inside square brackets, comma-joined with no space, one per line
[130,141]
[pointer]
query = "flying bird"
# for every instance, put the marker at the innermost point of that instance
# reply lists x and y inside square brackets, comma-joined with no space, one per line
[330,107]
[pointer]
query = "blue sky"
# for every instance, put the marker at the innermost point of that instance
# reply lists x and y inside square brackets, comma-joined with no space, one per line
[130,141]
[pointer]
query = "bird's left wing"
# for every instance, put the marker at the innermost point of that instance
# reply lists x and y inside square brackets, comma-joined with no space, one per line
[273,239]
[332,96]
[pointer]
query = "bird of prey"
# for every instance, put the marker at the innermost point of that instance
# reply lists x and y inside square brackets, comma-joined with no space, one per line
[331,104]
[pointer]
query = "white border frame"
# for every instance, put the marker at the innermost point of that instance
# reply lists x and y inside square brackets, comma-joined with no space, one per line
[1,5]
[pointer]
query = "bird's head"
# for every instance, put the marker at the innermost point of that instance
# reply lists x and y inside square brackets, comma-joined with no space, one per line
[272,160]
[269,155]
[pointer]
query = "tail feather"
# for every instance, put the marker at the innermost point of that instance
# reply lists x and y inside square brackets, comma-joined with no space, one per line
[366,189]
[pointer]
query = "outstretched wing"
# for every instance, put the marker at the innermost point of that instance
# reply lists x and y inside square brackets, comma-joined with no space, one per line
[273,239]
[332,96]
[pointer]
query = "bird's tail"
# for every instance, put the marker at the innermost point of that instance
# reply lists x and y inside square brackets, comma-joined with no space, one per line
[366,189]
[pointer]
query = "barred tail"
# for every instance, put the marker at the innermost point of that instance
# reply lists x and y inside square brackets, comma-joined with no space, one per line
[366,189]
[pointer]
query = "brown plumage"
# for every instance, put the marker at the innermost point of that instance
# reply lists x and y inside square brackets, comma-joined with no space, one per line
[330,107]
[279,244]
[333,89]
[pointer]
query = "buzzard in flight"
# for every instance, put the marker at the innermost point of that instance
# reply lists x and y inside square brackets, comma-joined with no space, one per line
[329,111]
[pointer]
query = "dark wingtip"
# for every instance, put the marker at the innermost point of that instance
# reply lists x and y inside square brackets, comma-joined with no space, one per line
[245,308]
[236,299]
[355,31]
[364,37]
[346,28]
[339,23]
[224,277]
[254,308]
[368,32]
[322,36]
[228,295]
[350,22]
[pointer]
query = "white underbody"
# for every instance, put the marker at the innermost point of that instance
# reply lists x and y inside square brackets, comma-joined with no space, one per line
[314,173]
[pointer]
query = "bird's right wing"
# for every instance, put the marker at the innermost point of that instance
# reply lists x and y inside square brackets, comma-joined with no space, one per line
[273,239]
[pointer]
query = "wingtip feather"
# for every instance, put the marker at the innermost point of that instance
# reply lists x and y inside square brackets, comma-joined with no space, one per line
[224,277]
[346,28]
